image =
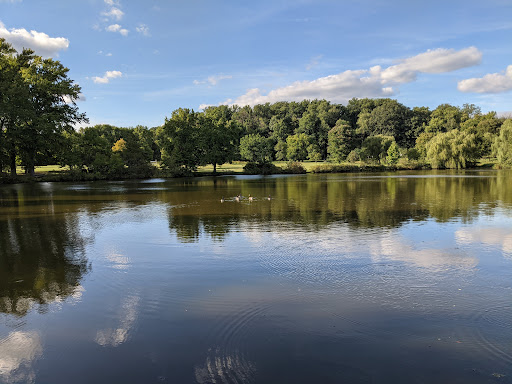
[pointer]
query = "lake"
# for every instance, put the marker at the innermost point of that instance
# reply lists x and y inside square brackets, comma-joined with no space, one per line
[340,278]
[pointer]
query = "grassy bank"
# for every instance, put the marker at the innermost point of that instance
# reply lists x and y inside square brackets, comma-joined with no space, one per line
[58,173]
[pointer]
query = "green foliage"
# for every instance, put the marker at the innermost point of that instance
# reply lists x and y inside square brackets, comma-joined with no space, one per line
[297,147]
[453,149]
[340,141]
[502,146]
[37,104]
[445,118]
[294,167]
[393,154]
[484,127]
[219,136]
[252,168]
[281,150]
[256,148]
[179,138]
[421,143]
[314,152]
[375,148]
[354,155]
[390,118]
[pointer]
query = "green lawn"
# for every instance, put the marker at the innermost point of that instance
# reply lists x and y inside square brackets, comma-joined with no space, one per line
[238,166]
[43,169]
[234,167]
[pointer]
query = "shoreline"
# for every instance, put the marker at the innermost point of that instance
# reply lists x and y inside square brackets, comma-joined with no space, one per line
[324,168]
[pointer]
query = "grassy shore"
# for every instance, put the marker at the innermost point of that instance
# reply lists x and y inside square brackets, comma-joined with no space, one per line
[58,173]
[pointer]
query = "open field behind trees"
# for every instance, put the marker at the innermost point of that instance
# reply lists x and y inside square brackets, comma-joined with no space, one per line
[38,113]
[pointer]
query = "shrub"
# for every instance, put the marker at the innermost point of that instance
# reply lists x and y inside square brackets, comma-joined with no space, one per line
[354,155]
[294,167]
[261,169]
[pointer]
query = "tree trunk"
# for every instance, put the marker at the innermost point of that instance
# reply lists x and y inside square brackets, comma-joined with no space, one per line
[214,168]
[30,170]
[12,159]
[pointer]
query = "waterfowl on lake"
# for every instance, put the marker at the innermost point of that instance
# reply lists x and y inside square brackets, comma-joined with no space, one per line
[269,198]
[222,199]
[250,197]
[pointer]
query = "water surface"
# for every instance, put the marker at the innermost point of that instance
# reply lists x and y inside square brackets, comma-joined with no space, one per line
[357,278]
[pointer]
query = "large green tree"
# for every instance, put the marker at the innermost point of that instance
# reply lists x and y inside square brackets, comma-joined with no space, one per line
[297,147]
[256,148]
[453,149]
[219,136]
[341,141]
[41,105]
[179,140]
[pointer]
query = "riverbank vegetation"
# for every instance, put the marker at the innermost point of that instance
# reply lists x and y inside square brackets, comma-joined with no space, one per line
[38,113]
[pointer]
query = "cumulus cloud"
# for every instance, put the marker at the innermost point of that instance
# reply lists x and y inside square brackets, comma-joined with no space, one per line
[114,13]
[372,82]
[490,83]
[213,80]
[117,28]
[40,42]
[432,61]
[143,29]
[106,78]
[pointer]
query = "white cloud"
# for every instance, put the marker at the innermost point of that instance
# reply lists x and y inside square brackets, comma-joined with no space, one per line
[213,80]
[143,29]
[432,61]
[40,42]
[114,13]
[117,28]
[113,28]
[490,83]
[106,78]
[68,100]
[373,82]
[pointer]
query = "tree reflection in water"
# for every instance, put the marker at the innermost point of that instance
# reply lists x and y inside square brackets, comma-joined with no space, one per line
[42,257]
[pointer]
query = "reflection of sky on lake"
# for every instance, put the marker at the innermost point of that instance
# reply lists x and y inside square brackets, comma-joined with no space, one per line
[500,237]
[116,336]
[18,351]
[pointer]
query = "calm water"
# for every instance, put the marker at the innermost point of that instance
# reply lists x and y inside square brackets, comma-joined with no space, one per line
[399,278]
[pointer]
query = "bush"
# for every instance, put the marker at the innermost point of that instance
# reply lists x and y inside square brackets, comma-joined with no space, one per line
[261,169]
[331,168]
[294,167]
[354,156]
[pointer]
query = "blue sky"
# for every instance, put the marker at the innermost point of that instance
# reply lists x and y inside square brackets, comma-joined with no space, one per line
[137,61]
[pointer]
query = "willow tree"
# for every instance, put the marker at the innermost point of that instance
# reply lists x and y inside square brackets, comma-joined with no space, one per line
[502,146]
[453,149]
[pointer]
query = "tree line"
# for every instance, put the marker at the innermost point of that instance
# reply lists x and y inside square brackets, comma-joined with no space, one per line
[38,112]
